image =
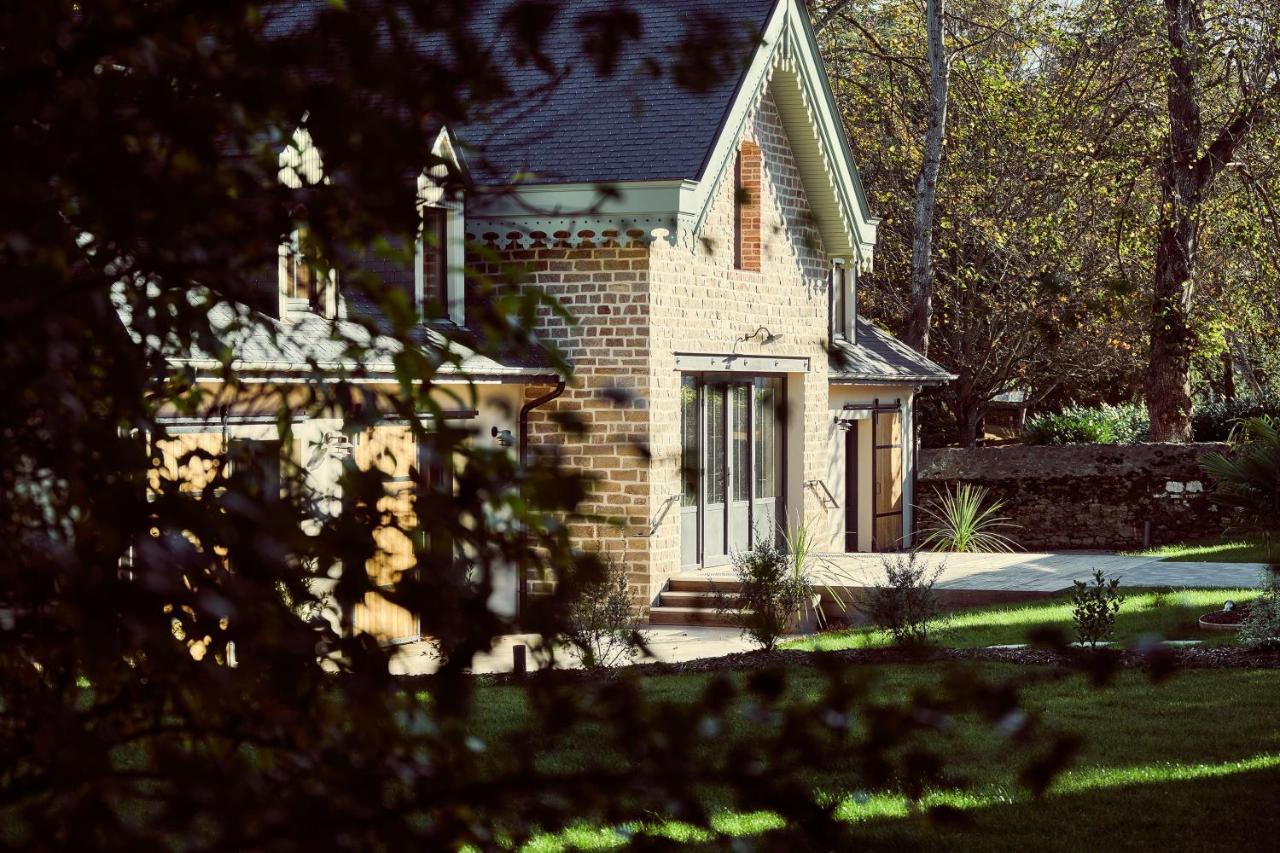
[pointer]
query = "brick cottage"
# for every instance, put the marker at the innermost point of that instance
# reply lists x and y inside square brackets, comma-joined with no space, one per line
[730,389]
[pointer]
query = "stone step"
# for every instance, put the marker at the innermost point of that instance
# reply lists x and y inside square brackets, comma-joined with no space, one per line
[690,616]
[695,583]
[696,598]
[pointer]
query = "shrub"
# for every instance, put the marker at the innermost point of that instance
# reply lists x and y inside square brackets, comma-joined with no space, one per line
[1261,628]
[959,521]
[1249,479]
[1216,421]
[773,592]
[602,625]
[1105,424]
[1096,606]
[904,605]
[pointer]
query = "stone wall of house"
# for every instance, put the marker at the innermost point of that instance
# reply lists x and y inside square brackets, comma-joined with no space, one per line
[1086,496]
[604,289]
[636,304]
[701,304]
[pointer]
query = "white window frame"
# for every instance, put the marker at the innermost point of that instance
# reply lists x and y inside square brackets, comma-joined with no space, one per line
[326,301]
[844,275]
[431,195]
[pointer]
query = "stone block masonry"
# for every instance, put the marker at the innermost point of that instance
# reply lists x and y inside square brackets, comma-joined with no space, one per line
[604,291]
[1087,496]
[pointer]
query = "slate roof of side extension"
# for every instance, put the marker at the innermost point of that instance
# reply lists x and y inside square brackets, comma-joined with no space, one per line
[575,125]
[264,344]
[879,357]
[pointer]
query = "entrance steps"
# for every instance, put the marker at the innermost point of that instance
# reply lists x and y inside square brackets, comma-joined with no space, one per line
[697,600]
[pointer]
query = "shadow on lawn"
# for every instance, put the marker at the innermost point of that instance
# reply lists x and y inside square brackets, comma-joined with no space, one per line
[1218,811]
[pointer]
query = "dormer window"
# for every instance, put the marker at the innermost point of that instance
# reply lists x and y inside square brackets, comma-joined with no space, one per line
[434,266]
[440,250]
[298,275]
[304,285]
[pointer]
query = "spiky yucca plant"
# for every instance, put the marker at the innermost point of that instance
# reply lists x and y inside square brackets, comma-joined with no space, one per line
[962,520]
[1249,479]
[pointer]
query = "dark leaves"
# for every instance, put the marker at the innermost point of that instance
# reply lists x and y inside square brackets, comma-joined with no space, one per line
[606,34]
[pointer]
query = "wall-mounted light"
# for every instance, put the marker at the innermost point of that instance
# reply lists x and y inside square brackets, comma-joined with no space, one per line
[334,445]
[503,436]
[769,337]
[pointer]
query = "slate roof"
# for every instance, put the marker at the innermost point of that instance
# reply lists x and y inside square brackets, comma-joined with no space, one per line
[879,357]
[265,344]
[572,124]
[625,126]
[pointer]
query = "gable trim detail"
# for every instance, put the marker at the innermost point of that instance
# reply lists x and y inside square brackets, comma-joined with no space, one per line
[789,66]
[786,64]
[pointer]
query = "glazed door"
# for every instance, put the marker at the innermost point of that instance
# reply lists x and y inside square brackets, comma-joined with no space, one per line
[851,487]
[731,466]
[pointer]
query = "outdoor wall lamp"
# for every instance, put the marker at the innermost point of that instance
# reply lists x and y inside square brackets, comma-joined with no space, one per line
[334,445]
[769,337]
[503,436]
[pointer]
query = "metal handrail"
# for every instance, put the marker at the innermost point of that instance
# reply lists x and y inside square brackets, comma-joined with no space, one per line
[815,485]
[662,514]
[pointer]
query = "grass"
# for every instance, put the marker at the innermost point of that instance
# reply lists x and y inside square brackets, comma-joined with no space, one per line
[1234,549]
[1191,763]
[1168,614]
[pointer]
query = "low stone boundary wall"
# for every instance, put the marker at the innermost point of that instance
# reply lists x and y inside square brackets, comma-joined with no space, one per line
[1086,496]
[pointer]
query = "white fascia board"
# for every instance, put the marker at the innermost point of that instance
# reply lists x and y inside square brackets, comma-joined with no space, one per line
[551,208]
[827,116]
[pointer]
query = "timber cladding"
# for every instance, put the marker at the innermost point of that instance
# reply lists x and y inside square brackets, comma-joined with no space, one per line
[1087,496]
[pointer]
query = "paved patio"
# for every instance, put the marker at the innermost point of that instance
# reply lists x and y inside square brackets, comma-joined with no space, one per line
[1024,572]
[1008,574]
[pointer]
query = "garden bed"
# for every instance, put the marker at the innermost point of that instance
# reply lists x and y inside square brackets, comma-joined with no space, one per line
[1225,620]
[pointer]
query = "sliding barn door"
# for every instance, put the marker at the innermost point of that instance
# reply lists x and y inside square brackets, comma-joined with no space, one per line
[391,449]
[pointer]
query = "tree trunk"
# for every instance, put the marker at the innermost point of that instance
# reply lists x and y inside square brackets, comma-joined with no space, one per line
[1228,375]
[1187,171]
[968,427]
[1181,184]
[927,184]
[1172,339]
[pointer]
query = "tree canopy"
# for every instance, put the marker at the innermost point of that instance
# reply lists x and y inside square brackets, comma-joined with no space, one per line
[1049,201]
[142,153]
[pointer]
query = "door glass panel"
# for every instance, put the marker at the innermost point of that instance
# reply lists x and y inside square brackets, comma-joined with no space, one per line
[715,446]
[767,473]
[768,459]
[688,441]
[741,397]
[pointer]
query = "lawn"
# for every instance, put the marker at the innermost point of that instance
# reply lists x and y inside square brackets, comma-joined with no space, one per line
[1146,613]
[1190,763]
[1233,549]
